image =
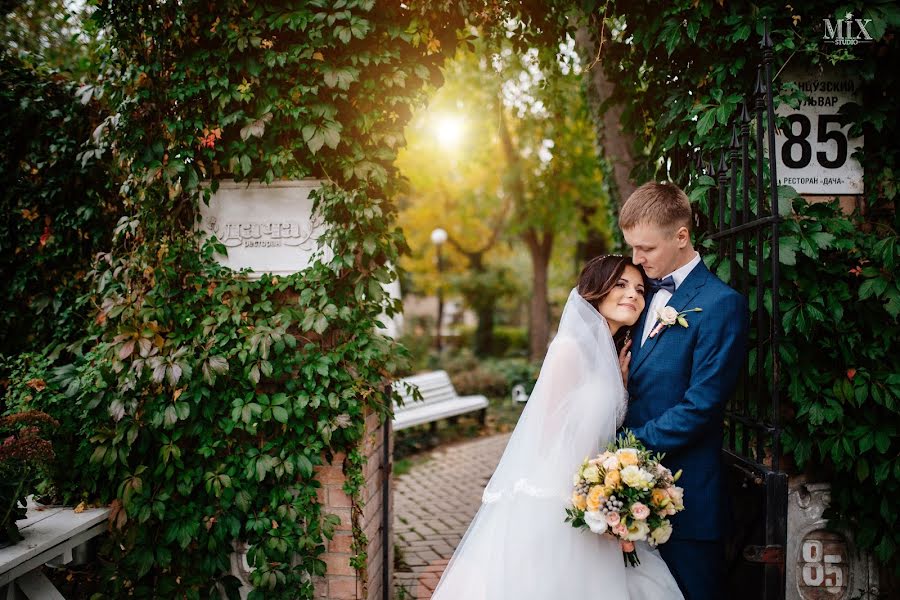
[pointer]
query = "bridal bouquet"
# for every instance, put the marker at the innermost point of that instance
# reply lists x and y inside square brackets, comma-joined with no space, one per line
[627,493]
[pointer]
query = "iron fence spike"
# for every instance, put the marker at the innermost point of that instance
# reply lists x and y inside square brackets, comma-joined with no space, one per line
[766,41]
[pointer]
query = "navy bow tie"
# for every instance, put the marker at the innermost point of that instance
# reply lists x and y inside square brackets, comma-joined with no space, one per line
[663,284]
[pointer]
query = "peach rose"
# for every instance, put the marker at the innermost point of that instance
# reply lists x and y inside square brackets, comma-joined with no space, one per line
[578,501]
[620,530]
[612,479]
[627,456]
[613,518]
[595,498]
[659,497]
[640,511]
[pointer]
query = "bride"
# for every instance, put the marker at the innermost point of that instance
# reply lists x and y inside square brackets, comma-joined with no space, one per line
[518,547]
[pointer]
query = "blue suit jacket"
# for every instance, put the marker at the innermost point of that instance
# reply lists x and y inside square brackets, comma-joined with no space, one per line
[678,383]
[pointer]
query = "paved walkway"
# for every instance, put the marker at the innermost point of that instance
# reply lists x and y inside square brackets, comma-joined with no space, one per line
[433,505]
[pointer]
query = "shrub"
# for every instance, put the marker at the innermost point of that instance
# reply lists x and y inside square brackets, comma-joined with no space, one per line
[516,371]
[480,381]
[510,341]
[22,452]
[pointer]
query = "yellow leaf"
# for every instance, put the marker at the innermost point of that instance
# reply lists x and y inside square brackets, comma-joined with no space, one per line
[177,393]
[80,508]
[318,56]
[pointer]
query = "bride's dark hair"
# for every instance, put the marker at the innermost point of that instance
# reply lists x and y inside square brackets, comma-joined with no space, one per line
[597,279]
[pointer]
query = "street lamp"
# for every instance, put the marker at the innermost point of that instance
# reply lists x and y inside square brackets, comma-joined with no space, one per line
[438,237]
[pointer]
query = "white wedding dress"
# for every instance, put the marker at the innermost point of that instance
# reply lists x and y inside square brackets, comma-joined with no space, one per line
[518,546]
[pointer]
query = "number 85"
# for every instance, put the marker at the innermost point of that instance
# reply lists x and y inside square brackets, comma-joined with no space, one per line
[823,136]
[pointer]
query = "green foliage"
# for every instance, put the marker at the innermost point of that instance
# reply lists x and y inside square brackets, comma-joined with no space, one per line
[197,402]
[681,72]
[839,310]
[505,340]
[51,33]
[59,204]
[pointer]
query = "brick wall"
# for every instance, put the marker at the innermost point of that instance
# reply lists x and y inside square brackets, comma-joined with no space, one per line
[342,582]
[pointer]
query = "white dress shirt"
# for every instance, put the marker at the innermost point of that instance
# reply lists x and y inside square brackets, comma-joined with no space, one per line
[662,296]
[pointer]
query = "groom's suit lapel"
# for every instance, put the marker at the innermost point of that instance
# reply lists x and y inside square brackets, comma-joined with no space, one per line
[686,292]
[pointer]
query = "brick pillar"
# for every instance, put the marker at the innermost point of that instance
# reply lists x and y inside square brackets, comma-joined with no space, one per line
[342,581]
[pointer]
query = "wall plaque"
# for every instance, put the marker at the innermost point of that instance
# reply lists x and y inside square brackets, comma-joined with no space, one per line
[266,228]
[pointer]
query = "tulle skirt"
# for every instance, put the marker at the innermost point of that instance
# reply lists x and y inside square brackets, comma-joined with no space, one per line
[520,548]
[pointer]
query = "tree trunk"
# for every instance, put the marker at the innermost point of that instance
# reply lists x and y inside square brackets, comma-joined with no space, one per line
[484,332]
[539,246]
[615,143]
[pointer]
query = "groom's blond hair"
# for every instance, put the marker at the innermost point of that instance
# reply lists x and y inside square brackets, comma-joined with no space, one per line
[664,205]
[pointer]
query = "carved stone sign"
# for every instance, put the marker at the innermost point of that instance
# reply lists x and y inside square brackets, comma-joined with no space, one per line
[266,228]
[822,564]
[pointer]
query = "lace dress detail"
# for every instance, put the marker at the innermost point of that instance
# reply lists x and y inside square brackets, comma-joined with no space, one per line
[622,410]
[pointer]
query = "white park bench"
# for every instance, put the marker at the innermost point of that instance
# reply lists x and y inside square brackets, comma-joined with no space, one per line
[439,401]
[50,536]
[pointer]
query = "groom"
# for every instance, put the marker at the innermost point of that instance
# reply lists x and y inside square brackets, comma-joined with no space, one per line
[680,377]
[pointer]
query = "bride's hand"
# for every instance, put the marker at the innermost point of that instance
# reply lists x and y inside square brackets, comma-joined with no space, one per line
[624,361]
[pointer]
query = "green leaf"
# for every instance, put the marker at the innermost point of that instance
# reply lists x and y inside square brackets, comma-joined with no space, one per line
[280,414]
[699,193]
[316,142]
[693,27]
[304,465]
[171,416]
[332,136]
[242,500]
[183,409]
[823,240]
[321,324]
[872,287]
[787,250]
[706,122]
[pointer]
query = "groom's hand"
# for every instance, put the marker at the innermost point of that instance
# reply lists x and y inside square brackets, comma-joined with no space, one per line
[624,361]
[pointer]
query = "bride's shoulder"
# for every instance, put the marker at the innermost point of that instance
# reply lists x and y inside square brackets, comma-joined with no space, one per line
[564,347]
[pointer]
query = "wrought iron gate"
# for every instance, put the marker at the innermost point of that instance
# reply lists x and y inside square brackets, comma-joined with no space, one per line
[741,219]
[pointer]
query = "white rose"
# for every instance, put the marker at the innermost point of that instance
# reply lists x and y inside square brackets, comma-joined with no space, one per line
[668,315]
[591,474]
[638,531]
[661,534]
[636,477]
[596,521]
[611,462]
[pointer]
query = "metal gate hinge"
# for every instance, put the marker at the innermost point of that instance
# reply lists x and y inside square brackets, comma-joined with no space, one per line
[770,555]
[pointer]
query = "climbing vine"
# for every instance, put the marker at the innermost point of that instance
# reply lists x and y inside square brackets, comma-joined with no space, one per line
[682,73]
[200,402]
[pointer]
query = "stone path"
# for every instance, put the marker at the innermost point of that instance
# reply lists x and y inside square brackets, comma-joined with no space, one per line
[433,505]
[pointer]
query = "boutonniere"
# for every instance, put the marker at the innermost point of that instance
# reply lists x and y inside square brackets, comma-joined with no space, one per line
[668,316]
